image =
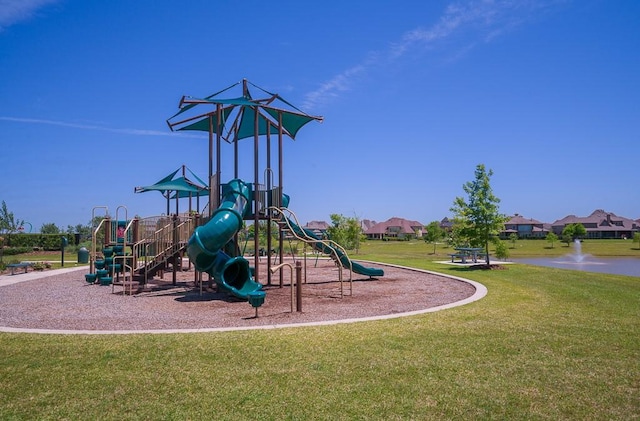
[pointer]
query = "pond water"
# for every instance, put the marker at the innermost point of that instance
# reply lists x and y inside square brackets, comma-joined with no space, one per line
[614,265]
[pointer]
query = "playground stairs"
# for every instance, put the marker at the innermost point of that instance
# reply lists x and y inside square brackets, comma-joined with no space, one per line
[146,247]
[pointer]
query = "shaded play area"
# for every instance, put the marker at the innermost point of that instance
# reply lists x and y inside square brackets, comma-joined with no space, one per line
[129,251]
[138,279]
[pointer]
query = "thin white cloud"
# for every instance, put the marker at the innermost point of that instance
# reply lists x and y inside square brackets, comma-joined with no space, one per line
[332,88]
[135,132]
[14,11]
[482,20]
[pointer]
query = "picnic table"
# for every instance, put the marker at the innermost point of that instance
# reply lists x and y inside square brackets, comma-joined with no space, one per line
[467,252]
[14,266]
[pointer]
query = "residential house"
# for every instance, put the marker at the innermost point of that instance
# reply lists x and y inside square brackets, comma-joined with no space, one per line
[319,228]
[524,228]
[365,224]
[600,224]
[395,228]
[446,224]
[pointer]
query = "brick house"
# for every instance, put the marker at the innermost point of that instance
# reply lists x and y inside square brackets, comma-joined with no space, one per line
[395,228]
[319,228]
[600,224]
[524,228]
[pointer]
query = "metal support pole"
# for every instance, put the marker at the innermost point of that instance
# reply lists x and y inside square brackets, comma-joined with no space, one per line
[299,286]
[63,243]
[174,248]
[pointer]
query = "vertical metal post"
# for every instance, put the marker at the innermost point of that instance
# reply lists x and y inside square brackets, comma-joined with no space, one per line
[299,286]
[63,244]
[256,181]
[107,231]
[256,204]
[281,192]
[174,248]
[267,182]
[218,154]
[211,189]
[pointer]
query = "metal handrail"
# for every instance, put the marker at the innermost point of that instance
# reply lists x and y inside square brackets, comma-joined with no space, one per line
[307,239]
[93,256]
[165,240]
[163,234]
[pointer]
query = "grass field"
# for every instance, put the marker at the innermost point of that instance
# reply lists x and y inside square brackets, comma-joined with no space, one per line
[544,344]
[521,248]
[52,258]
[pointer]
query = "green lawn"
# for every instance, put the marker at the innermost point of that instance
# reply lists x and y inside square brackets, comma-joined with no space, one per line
[544,344]
[521,248]
[53,259]
[599,248]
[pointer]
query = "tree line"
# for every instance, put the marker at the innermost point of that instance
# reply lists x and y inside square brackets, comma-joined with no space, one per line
[10,225]
[477,222]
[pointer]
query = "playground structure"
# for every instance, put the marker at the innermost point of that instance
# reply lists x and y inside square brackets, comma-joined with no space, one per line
[127,252]
[135,249]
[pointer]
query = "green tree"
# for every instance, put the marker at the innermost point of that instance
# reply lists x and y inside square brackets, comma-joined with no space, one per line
[434,232]
[249,233]
[552,238]
[478,218]
[513,238]
[502,252]
[573,231]
[636,239]
[345,231]
[7,222]
[83,230]
[49,228]
[458,235]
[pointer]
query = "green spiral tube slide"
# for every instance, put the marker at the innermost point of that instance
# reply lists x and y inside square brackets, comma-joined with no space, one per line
[231,274]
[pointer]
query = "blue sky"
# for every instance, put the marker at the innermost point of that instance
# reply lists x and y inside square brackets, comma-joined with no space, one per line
[414,95]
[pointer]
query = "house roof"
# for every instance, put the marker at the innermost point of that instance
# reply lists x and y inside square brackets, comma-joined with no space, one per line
[366,224]
[317,225]
[446,223]
[603,221]
[406,226]
[521,220]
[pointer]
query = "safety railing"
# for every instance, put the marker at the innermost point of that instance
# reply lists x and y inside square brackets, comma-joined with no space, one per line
[161,237]
[329,247]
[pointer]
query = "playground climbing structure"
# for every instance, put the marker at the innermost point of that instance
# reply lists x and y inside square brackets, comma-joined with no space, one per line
[127,252]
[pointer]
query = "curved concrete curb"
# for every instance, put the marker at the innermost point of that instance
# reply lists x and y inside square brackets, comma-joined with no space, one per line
[481,292]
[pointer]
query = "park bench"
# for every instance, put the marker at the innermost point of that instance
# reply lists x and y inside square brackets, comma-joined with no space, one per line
[461,256]
[14,266]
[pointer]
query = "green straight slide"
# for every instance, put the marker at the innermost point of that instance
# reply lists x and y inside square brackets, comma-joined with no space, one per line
[328,249]
[231,274]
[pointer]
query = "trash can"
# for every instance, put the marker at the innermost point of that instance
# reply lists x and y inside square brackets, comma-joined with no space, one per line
[83,255]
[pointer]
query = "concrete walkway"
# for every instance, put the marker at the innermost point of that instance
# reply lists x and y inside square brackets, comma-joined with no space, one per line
[36,274]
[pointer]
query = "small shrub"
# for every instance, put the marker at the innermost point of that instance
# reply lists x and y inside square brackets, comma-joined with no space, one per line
[12,251]
[501,250]
[40,266]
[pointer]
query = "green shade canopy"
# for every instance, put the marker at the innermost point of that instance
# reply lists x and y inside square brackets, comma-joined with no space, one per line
[175,188]
[180,184]
[237,116]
